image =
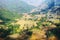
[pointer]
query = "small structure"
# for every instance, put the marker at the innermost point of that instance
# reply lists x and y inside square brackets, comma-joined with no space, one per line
[1,22]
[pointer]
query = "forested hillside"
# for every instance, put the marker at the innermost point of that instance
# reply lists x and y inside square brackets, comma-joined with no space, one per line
[16,6]
[6,15]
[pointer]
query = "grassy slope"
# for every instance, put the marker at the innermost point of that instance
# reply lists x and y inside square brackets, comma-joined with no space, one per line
[9,15]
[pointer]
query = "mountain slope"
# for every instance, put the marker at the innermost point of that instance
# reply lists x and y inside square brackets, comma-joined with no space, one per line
[7,15]
[16,6]
[46,7]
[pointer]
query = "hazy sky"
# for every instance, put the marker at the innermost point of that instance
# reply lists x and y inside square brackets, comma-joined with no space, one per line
[38,2]
[34,2]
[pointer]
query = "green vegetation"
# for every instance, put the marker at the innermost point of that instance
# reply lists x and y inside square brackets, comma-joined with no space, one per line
[12,25]
[9,15]
[14,28]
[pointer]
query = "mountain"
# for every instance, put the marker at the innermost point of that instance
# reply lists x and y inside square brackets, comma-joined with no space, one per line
[46,7]
[13,9]
[57,2]
[16,6]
